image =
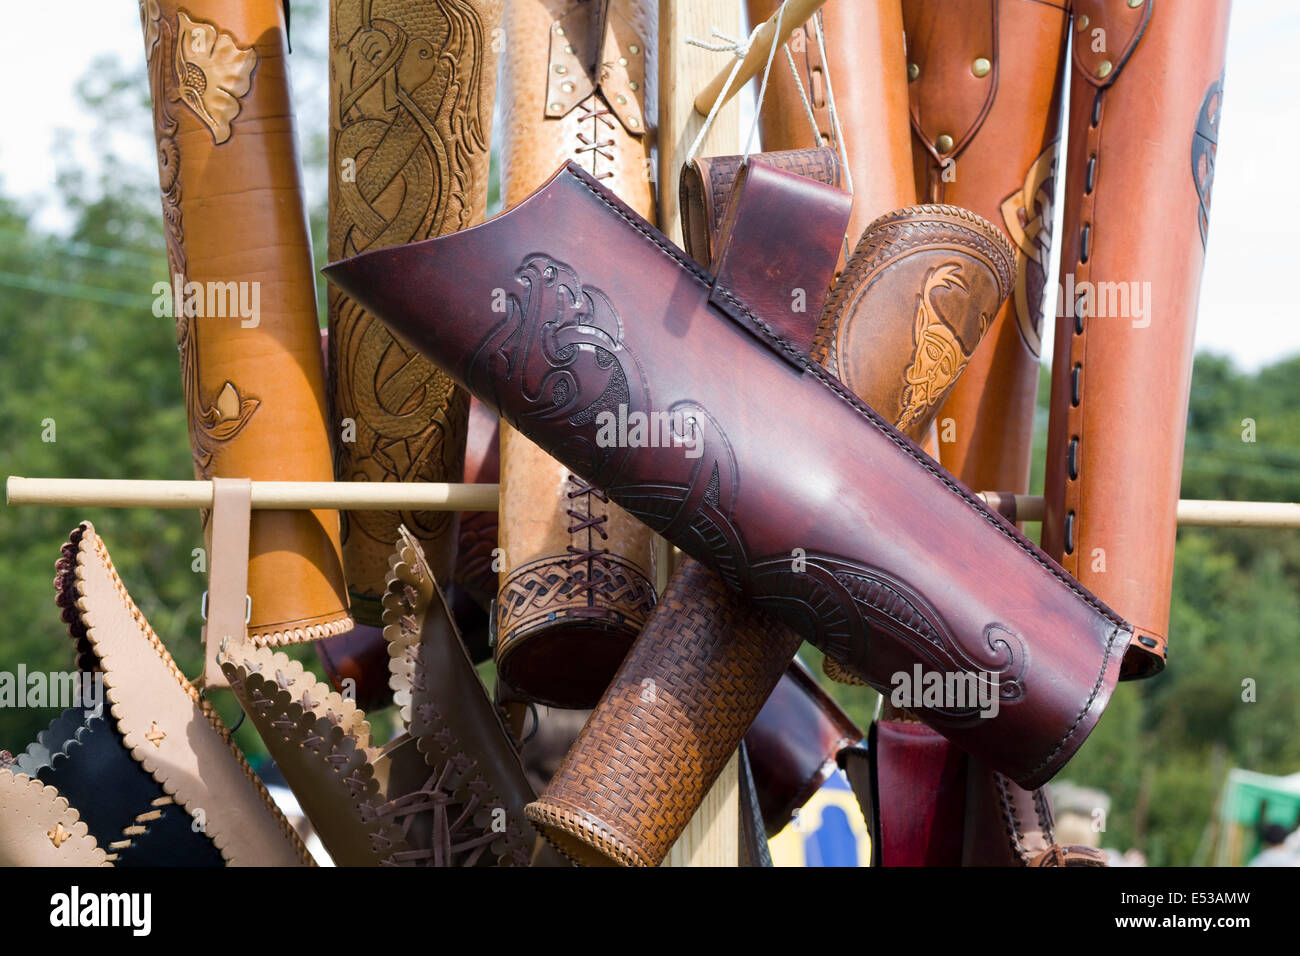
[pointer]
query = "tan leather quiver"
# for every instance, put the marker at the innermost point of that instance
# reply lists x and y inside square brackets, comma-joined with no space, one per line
[240,264]
[1144,120]
[984,80]
[412,88]
[577,577]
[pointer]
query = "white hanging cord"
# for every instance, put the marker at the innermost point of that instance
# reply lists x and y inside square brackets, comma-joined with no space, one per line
[740,49]
[830,101]
[807,103]
[762,89]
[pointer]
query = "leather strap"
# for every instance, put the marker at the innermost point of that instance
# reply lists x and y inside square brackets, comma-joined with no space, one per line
[228,601]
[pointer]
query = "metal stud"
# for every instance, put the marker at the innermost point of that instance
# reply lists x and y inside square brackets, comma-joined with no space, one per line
[633,122]
[621,99]
[561,69]
[913,71]
[568,48]
[944,143]
[567,86]
[622,61]
[559,30]
[556,107]
[1104,68]
[981,66]
[633,85]
[1081,23]
[1135,3]
[633,48]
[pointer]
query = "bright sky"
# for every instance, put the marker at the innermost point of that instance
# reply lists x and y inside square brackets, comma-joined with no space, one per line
[1246,305]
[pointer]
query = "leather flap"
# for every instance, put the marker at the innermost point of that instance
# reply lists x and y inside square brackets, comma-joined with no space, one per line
[949,101]
[1106,32]
[593,48]
[785,282]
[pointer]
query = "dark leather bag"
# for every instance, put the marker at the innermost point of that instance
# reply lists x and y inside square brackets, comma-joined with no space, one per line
[877,531]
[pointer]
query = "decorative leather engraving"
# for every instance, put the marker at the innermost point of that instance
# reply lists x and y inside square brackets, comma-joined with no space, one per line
[1027,215]
[538,593]
[1205,148]
[212,73]
[940,356]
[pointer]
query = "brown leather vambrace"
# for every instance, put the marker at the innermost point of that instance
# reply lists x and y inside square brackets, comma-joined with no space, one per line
[984,78]
[242,291]
[1144,114]
[863,68]
[577,572]
[412,87]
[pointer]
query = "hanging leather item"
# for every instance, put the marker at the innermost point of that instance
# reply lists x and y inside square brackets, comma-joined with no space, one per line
[41,827]
[200,779]
[577,572]
[475,556]
[448,791]
[863,68]
[412,88]
[879,602]
[985,94]
[242,291]
[1144,112]
[706,648]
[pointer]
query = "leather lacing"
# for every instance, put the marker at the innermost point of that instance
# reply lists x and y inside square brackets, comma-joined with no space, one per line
[586,521]
[597,114]
[448,845]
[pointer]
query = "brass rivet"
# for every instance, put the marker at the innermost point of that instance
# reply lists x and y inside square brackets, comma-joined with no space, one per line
[633,122]
[556,107]
[913,71]
[981,66]
[1103,69]
[559,30]
[621,99]
[622,61]
[1081,23]
[568,48]
[634,48]
[944,143]
[561,69]
[567,86]
[1135,3]
[633,85]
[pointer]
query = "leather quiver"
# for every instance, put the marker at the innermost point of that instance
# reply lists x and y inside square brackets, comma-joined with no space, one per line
[1143,131]
[985,84]
[707,634]
[869,586]
[793,742]
[708,184]
[240,270]
[412,88]
[195,800]
[863,67]
[577,572]
[447,791]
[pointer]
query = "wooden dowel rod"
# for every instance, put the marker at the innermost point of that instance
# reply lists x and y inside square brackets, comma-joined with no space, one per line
[796,15]
[267,495]
[1192,512]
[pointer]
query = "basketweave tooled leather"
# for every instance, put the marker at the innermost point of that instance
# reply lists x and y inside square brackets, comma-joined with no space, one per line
[41,828]
[707,183]
[1143,125]
[813,214]
[871,589]
[235,224]
[412,88]
[448,791]
[170,731]
[577,572]
[864,68]
[985,82]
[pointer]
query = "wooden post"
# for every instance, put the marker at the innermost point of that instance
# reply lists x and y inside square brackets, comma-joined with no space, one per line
[712,836]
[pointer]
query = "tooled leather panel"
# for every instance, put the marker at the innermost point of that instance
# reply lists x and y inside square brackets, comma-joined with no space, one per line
[947,99]
[239,261]
[698,502]
[175,735]
[41,828]
[924,281]
[1106,32]
[686,680]
[412,93]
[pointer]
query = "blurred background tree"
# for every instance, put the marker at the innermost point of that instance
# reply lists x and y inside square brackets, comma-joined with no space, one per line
[82,347]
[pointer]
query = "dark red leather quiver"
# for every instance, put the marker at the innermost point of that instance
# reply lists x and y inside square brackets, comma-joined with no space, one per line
[796,494]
